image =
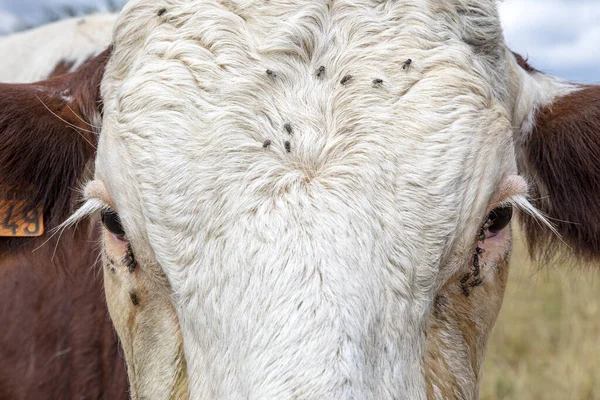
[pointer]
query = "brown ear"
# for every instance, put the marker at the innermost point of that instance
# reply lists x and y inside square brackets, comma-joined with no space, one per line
[47,135]
[561,156]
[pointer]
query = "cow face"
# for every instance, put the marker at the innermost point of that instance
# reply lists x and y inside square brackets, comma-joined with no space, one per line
[312,199]
[309,192]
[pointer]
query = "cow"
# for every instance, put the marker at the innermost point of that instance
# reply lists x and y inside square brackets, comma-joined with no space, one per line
[311,199]
[56,339]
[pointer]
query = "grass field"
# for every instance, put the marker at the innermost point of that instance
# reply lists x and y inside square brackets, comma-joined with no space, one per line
[546,343]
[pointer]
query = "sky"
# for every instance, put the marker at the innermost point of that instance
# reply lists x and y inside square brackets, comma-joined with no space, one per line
[559,37]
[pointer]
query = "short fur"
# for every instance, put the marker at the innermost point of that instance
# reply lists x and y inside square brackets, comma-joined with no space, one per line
[63,67]
[56,337]
[145,316]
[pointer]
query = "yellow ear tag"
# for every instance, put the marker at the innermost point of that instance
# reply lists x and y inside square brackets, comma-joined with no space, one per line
[17,218]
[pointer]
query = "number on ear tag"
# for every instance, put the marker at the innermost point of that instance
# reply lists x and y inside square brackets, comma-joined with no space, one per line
[17,219]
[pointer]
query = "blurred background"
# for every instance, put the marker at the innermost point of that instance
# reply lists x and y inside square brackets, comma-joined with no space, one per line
[22,14]
[546,343]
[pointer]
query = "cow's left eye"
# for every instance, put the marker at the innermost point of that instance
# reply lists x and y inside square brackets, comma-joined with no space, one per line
[112,222]
[498,219]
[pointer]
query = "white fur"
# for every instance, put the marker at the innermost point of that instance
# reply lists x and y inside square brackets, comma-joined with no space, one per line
[309,274]
[32,55]
[536,90]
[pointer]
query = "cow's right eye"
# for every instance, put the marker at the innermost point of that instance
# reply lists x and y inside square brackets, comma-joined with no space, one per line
[500,218]
[497,220]
[112,222]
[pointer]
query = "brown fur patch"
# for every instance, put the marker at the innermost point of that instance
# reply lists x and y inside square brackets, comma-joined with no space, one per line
[523,63]
[56,338]
[38,150]
[63,67]
[562,158]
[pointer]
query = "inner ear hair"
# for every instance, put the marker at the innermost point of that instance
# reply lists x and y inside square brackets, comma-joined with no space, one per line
[561,159]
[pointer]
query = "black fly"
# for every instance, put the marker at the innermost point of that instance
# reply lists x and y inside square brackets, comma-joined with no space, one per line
[346,79]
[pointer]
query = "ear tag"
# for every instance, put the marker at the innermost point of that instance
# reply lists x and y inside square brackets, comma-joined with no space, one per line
[17,217]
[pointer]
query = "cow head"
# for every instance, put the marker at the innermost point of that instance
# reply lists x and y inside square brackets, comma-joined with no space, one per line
[312,199]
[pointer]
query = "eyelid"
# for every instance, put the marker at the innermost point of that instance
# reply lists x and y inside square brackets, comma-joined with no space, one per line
[510,186]
[96,190]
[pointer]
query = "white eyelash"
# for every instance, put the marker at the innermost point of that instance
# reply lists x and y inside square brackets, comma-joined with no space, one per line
[521,203]
[88,208]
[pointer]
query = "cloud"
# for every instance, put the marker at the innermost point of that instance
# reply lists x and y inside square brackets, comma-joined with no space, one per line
[561,37]
[8,22]
[37,11]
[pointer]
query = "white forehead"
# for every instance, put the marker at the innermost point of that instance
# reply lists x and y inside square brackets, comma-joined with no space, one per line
[189,105]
